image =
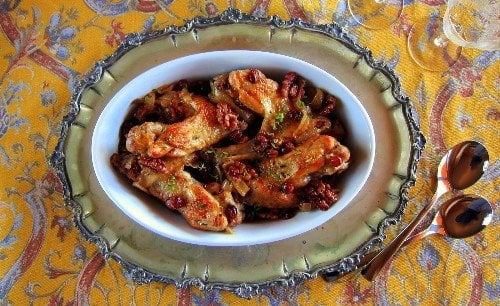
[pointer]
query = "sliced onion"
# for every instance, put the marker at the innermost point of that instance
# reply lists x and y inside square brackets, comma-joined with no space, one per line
[226,185]
[150,98]
[317,99]
[165,88]
[241,187]
[306,206]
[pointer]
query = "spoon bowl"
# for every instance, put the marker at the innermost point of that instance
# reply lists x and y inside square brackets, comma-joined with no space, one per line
[461,167]
[464,216]
[459,217]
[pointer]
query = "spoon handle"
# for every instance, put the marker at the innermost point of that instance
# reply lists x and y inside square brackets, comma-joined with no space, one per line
[368,257]
[381,259]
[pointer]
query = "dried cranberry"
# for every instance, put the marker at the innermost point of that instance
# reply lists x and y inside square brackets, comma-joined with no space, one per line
[252,173]
[267,145]
[271,153]
[287,188]
[329,105]
[231,213]
[253,76]
[175,202]
[335,160]
[320,194]
[292,86]
[239,170]
[236,170]
[261,143]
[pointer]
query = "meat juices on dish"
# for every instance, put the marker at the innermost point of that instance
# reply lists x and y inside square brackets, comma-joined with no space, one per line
[234,149]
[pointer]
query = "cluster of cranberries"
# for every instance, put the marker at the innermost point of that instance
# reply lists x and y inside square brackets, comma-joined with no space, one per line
[269,145]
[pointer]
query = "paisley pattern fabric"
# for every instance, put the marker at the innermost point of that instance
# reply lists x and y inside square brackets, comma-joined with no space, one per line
[46,45]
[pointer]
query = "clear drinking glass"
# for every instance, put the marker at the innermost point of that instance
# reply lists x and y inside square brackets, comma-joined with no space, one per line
[473,23]
[375,14]
[436,43]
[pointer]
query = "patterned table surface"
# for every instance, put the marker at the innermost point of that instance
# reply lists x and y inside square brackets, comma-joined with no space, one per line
[46,45]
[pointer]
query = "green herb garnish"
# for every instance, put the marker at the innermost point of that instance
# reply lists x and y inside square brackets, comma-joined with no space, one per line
[278,120]
[274,143]
[171,183]
[201,165]
[222,154]
[300,104]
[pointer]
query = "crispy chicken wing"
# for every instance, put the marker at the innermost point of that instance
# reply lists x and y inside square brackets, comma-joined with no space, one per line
[254,89]
[320,155]
[176,188]
[199,131]
[263,95]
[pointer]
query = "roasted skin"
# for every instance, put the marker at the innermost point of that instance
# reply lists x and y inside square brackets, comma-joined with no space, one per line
[176,188]
[319,156]
[198,131]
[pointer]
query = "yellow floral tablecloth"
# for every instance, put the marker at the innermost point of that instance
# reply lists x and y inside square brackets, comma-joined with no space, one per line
[46,45]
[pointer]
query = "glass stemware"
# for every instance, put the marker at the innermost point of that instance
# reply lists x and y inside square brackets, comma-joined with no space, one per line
[436,43]
[375,14]
[473,23]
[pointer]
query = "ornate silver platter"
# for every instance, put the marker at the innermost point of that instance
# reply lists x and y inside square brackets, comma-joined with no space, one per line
[336,246]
